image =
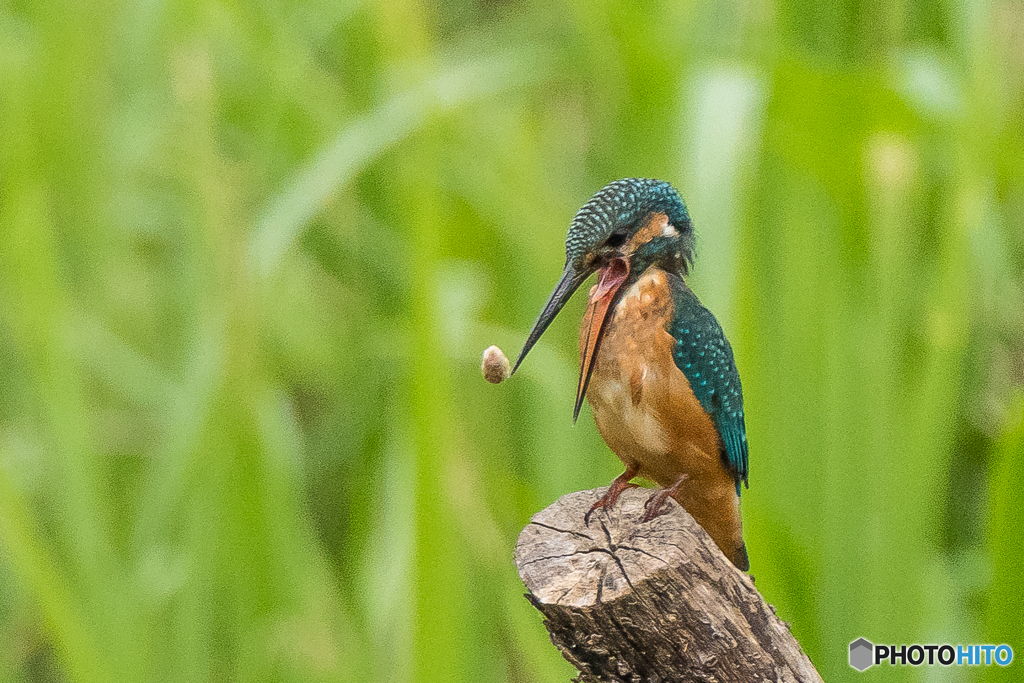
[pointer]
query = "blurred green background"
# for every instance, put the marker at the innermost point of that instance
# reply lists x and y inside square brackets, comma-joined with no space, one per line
[250,254]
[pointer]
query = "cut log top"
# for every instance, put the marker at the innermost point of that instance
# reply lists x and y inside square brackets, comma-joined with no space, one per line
[656,601]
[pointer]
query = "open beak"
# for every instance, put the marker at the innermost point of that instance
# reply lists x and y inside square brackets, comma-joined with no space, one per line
[610,279]
[567,285]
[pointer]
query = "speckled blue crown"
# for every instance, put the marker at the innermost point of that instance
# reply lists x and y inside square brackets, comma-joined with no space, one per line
[622,204]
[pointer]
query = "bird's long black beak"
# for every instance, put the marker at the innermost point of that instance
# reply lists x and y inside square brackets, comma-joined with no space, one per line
[567,285]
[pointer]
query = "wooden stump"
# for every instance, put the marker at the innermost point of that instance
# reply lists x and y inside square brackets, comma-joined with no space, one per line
[657,602]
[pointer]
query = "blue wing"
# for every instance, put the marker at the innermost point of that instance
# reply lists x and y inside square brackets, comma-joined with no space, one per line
[704,355]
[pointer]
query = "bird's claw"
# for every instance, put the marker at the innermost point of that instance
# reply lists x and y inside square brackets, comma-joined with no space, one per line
[655,505]
[605,501]
[609,498]
[657,509]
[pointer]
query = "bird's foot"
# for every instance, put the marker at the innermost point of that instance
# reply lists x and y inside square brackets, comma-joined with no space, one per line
[608,499]
[618,485]
[655,505]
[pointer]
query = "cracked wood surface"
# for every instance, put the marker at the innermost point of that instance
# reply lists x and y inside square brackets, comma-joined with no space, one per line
[658,601]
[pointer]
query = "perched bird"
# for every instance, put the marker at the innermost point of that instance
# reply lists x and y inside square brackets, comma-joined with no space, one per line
[654,363]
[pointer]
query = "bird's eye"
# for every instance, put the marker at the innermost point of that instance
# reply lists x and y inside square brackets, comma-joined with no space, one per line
[617,239]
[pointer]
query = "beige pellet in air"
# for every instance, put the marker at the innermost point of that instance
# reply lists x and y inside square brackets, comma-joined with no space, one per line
[495,365]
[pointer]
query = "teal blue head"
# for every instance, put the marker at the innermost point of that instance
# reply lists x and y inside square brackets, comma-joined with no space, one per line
[627,226]
[619,214]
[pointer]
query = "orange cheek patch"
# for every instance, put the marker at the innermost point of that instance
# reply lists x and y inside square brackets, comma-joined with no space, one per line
[654,227]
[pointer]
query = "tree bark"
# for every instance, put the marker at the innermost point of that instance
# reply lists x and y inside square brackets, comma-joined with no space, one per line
[657,602]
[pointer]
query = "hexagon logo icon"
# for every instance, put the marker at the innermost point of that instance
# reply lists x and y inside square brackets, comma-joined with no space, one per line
[861,654]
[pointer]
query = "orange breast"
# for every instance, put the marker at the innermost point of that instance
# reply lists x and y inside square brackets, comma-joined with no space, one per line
[642,403]
[648,415]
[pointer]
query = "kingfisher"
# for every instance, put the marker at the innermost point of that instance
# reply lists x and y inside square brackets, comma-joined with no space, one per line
[655,366]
